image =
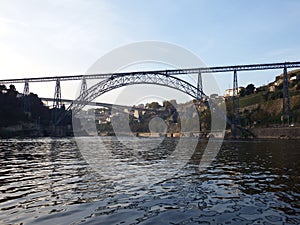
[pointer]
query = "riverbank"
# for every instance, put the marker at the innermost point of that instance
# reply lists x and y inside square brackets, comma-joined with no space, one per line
[31,130]
[277,133]
[260,133]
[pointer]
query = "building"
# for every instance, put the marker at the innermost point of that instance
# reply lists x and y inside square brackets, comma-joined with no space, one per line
[295,77]
[229,92]
[273,86]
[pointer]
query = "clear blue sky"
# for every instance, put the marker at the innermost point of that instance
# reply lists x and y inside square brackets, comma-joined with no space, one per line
[64,37]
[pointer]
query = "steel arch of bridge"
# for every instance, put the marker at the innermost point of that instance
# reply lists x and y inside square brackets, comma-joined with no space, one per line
[121,80]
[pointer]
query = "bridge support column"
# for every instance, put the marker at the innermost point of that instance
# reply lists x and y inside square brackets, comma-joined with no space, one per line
[235,106]
[199,87]
[26,97]
[56,102]
[286,98]
[83,86]
[57,95]
[199,95]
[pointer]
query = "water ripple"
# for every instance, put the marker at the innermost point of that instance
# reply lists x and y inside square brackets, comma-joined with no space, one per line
[47,181]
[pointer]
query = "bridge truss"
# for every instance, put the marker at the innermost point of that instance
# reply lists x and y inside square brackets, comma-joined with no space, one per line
[160,76]
[172,72]
[121,80]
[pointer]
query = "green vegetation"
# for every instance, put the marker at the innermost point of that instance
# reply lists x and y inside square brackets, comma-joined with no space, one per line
[15,121]
[247,100]
[262,106]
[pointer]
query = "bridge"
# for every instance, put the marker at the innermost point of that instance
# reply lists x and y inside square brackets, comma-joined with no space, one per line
[100,104]
[169,78]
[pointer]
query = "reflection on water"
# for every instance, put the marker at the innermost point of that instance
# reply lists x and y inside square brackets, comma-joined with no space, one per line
[46,181]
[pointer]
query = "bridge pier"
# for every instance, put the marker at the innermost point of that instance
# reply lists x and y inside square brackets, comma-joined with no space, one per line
[235,106]
[286,98]
[199,94]
[83,86]
[57,95]
[199,87]
[56,103]
[26,97]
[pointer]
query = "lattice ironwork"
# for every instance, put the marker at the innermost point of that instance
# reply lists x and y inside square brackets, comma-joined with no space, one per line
[199,87]
[83,86]
[286,106]
[57,103]
[235,106]
[121,80]
[57,95]
[173,72]
[26,94]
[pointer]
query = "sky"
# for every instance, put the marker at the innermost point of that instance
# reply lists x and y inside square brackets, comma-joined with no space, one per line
[66,37]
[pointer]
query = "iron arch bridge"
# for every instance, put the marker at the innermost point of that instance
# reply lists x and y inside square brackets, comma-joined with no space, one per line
[121,80]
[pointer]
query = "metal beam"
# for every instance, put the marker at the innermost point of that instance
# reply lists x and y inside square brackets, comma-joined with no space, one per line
[56,112]
[173,72]
[83,86]
[199,87]
[286,97]
[26,97]
[121,80]
[57,95]
[101,104]
[235,106]
[26,88]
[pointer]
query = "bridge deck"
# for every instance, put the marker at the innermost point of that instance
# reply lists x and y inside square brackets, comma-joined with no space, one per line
[217,69]
[101,104]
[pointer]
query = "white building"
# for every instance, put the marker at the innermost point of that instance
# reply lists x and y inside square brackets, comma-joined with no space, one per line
[229,92]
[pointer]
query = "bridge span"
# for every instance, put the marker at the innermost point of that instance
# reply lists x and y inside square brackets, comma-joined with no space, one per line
[101,104]
[169,79]
[171,72]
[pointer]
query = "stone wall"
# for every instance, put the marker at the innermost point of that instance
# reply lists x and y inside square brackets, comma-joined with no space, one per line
[277,133]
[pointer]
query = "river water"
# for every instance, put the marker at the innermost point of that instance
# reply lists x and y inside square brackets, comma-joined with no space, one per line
[48,181]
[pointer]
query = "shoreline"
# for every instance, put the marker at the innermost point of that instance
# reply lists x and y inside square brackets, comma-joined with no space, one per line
[281,133]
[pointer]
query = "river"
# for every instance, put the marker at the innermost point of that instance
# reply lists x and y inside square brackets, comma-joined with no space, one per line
[48,181]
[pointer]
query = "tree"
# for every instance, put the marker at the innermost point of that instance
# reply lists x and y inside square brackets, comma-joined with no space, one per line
[12,87]
[250,89]
[153,105]
[169,106]
[242,92]
[2,87]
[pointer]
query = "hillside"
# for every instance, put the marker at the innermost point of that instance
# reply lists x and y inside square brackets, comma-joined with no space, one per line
[263,107]
[37,121]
